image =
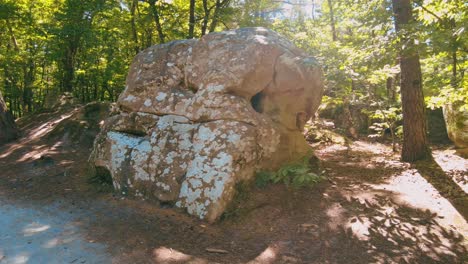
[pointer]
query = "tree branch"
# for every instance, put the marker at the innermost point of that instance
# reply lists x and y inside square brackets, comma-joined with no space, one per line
[430,12]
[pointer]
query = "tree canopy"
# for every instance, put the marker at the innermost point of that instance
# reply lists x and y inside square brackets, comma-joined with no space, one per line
[84,47]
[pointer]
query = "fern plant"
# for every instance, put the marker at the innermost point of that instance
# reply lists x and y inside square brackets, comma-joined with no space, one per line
[295,174]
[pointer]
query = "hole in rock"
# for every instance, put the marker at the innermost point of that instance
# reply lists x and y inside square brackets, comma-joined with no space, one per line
[134,132]
[101,177]
[166,204]
[257,102]
[192,88]
[188,85]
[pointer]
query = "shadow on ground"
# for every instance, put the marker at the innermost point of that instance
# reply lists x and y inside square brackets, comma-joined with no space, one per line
[435,175]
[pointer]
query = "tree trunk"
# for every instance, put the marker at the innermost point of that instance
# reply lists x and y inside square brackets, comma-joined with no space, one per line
[29,77]
[414,120]
[69,65]
[391,93]
[218,6]
[133,7]
[332,20]
[206,16]
[214,20]
[157,20]
[191,19]
[8,130]
[454,47]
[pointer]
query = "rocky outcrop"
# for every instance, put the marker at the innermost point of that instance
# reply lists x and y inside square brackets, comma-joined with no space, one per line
[8,129]
[436,127]
[456,121]
[198,116]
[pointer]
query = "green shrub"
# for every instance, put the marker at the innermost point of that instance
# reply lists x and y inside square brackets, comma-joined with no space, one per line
[296,175]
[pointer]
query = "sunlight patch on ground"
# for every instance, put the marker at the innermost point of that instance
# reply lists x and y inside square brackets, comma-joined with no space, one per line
[169,255]
[36,133]
[268,256]
[164,255]
[34,228]
[21,258]
[450,162]
[415,191]
[336,214]
[331,149]
[374,147]
[47,127]
[386,224]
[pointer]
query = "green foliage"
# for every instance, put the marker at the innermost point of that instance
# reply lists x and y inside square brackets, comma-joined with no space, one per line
[385,118]
[85,46]
[263,178]
[297,175]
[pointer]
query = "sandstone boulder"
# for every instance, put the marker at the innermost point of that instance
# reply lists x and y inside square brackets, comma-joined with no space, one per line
[199,116]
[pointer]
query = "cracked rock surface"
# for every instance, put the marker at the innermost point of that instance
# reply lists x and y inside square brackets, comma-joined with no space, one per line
[199,116]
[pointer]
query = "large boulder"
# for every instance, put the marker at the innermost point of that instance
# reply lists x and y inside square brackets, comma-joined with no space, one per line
[199,116]
[8,129]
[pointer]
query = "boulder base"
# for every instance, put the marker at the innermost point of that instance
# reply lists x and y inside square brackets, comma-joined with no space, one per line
[199,116]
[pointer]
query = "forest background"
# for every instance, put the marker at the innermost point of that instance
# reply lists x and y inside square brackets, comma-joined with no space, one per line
[84,47]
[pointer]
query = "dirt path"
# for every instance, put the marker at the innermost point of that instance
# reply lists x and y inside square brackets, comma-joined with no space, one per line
[373,209]
[45,235]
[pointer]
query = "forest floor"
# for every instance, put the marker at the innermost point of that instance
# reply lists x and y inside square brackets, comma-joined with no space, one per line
[372,209]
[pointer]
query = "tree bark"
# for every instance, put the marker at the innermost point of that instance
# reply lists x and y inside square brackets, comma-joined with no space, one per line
[206,16]
[332,20]
[133,7]
[191,19]
[218,6]
[454,47]
[157,20]
[391,93]
[8,130]
[214,21]
[414,121]
[69,64]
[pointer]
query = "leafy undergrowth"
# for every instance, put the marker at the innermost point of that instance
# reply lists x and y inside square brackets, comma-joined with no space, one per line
[297,175]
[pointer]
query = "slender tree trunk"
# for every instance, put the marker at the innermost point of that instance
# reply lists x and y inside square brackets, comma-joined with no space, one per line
[454,47]
[414,121]
[206,16]
[133,7]
[12,35]
[148,38]
[313,9]
[391,94]
[454,69]
[332,20]
[218,6]
[157,20]
[214,21]
[29,76]
[69,66]
[191,19]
